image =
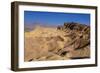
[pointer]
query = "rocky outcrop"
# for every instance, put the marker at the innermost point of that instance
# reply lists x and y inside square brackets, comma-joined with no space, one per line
[80,37]
[74,26]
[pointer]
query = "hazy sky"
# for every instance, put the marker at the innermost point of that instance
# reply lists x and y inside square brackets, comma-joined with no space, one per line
[54,18]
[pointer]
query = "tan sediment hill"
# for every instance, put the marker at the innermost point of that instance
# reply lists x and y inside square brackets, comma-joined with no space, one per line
[57,43]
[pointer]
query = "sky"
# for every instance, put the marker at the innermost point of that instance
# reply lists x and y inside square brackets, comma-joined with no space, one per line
[54,18]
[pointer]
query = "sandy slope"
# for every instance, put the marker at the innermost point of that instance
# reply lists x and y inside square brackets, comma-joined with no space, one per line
[47,43]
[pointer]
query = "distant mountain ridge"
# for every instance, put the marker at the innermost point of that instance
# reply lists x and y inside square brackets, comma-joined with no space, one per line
[66,25]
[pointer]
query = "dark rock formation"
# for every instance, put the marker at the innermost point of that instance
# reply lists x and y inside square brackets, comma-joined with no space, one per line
[74,26]
[80,37]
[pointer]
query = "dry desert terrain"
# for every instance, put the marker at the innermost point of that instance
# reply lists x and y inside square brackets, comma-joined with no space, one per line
[70,41]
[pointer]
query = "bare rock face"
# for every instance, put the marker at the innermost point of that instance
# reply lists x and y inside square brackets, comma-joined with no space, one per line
[70,41]
[80,38]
